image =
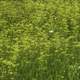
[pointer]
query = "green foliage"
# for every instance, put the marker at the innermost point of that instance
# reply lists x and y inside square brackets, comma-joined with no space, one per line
[39,40]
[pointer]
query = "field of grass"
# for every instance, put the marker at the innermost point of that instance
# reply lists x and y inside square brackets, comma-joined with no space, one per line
[39,40]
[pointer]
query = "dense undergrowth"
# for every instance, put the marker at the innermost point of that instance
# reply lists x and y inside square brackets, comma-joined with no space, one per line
[39,40]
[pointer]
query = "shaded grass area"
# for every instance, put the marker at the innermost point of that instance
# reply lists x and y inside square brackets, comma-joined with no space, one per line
[39,40]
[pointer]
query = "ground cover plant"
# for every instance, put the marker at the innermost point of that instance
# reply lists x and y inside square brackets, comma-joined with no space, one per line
[39,40]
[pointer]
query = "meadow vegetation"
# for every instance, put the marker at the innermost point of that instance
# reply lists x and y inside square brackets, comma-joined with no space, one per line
[39,40]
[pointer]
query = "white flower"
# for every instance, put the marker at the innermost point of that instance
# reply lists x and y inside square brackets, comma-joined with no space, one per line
[51,31]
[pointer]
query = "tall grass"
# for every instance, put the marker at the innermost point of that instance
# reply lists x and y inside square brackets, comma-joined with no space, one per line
[39,40]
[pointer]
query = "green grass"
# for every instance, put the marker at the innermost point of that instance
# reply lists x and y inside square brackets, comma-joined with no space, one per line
[39,40]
